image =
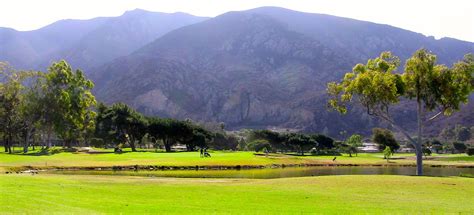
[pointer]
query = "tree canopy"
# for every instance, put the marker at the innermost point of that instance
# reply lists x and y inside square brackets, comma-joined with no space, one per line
[377,86]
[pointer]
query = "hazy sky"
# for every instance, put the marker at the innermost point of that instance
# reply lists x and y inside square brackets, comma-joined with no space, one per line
[439,18]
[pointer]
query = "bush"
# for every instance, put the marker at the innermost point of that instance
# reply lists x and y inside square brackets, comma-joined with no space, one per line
[426,151]
[470,151]
[259,145]
[459,146]
[97,142]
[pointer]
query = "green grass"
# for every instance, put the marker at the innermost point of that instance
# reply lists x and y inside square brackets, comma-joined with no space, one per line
[79,194]
[107,158]
[143,158]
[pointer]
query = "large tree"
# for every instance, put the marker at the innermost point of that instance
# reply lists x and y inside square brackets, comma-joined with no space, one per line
[11,96]
[377,87]
[129,124]
[65,102]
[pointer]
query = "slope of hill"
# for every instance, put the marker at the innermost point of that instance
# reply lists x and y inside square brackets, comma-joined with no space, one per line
[120,36]
[363,40]
[258,68]
[88,43]
[23,48]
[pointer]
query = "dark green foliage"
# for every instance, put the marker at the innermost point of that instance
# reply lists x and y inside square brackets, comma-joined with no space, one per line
[459,146]
[300,142]
[172,131]
[384,138]
[296,142]
[462,133]
[426,151]
[436,145]
[223,141]
[259,145]
[470,151]
[324,142]
[120,124]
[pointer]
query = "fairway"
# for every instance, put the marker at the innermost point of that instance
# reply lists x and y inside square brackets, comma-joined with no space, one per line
[46,194]
[219,158]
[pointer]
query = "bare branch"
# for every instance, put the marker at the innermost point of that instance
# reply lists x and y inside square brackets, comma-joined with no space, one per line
[434,117]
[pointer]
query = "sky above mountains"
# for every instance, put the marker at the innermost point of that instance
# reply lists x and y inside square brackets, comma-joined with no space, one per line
[440,18]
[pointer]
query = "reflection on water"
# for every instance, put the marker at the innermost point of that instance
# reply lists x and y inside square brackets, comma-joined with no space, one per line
[281,172]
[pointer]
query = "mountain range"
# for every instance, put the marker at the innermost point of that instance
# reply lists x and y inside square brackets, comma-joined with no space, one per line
[265,67]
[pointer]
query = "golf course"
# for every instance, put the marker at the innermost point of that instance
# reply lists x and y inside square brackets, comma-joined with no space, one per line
[84,187]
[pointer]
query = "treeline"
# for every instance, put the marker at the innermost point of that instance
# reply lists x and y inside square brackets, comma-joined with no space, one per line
[37,106]
[266,140]
[58,108]
[119,124]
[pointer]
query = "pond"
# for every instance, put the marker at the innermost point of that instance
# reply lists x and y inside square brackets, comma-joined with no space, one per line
[279,172]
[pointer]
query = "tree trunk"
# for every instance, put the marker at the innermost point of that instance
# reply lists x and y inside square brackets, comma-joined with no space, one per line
[48,138]
[9,144]
[132,144]
[5,144]
[167,145]
[27,141]
[418,148]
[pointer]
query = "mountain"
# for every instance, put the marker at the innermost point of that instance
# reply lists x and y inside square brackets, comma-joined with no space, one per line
[258,68]
[88,43]
[363,40]
[23,48]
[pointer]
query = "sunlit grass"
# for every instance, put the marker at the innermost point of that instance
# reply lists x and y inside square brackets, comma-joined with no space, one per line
[46,194]
[219,158]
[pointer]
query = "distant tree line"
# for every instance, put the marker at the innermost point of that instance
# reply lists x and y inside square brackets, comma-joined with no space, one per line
[58,108]
[289,142]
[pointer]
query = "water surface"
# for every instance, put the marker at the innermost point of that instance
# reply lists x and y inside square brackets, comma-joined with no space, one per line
[278,172]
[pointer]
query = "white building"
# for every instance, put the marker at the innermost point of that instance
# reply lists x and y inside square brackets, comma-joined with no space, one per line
[369,147]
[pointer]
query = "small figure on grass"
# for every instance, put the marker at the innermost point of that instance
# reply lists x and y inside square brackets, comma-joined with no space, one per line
[206,154]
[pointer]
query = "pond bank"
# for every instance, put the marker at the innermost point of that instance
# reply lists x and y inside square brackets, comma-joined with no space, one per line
[218,167]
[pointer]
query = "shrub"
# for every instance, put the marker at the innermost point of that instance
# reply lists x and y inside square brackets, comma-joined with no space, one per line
[459,146]
[258,145]
[470,151]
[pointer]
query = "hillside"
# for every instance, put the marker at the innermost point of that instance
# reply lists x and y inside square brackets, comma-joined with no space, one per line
[88,43]
[259,68]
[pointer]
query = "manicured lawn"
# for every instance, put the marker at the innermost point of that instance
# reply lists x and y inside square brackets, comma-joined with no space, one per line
[79,194]
[143,158]
[107,158]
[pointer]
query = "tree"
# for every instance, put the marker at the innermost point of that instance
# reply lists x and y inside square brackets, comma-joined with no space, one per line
[223,141]
[377,87]
[162,129]
[352,143]
[105,128]
[436,145]
[384,138]
[459,146]
[447,134]
[11,98]
[301,142]
[387,153]
[259,145]
[29,114]
[129,125]
[65,102]
[462,133]
[276,140]
[324,142]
